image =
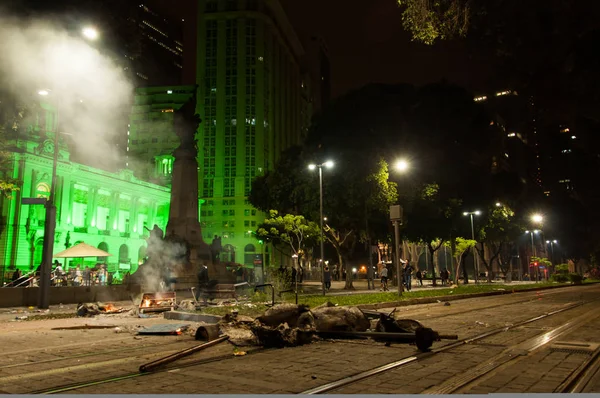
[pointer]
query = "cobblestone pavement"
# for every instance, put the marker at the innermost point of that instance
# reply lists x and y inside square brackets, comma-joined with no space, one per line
[293,370]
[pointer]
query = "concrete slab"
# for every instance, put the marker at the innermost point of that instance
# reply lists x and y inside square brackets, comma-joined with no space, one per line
[190,317]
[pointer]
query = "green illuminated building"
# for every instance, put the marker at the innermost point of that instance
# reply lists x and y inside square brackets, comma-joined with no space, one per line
[103,209]
[254,100]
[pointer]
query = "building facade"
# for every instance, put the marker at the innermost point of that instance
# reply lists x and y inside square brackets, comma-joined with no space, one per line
[250,99]
[151,137]
[255,100]
[110,211]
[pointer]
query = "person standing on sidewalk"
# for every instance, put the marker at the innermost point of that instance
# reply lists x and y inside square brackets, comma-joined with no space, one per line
[419,276]
[384,278]
[327,277]
[408,269]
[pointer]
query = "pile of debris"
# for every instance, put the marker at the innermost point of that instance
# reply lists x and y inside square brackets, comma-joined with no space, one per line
[288,325]
[92,309]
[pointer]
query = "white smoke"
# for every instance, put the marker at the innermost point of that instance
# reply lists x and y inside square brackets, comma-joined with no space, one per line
[90,91]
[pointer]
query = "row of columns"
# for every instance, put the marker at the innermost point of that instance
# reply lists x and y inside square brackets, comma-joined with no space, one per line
[113,214]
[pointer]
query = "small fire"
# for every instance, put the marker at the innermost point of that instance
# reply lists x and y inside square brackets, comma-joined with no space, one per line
[146,303]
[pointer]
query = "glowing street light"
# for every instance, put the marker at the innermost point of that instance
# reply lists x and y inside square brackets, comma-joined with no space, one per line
[402,165]
[90,33]
[471,214]
[43,93]
[537,218]
[328,164]
[498,204]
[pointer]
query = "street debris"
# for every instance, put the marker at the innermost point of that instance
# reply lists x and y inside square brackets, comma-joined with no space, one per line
[91,309]
[164,329]
[157,302]
[173,357]
[86,326]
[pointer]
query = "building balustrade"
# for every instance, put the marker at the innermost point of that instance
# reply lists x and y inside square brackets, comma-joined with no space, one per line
[82,230]
[104,232]
[125,235]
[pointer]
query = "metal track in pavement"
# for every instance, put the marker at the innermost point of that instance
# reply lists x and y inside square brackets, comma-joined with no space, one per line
[325,388]
[77,386]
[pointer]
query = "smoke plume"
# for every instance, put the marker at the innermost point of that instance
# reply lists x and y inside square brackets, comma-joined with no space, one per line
[89,89]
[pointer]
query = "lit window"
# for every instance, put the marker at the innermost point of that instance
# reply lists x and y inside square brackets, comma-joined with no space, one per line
[169,91]
[512,134]
[573,137]
[482,98]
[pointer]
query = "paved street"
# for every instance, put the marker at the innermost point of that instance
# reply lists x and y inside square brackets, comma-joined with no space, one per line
[39,358]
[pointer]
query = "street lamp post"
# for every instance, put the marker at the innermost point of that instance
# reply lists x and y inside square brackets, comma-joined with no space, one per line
[533,252]
[50,221]
[552,242]
[295,258]
[471,213]
[49,224]
[328,164]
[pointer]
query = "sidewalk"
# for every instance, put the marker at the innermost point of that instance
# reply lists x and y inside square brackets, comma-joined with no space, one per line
[360,286]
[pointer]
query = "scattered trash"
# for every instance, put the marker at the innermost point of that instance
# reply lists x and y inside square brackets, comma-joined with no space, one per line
[91,309]
[313,377]
[31,308]
[187,305]
[118,330]
[447,303]
[239,353]
[163,361]
[21,318]
[164,329]
[137,338]
[481,323]
[144,316]
[439,301]
[80,327]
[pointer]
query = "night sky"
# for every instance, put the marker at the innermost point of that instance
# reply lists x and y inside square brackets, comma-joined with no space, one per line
[368,44]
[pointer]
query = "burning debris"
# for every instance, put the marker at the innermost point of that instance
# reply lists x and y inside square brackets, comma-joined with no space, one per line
[92,309]
[157,302]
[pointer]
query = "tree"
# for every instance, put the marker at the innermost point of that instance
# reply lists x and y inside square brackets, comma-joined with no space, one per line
[291,231]
[429,219]
[500,231]
[461,248]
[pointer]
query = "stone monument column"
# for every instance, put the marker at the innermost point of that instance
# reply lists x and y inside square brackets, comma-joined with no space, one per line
[184,224]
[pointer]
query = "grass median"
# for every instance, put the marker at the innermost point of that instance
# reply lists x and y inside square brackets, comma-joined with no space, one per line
[256,305]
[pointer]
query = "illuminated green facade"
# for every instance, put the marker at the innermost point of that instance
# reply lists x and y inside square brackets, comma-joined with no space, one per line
[103,209]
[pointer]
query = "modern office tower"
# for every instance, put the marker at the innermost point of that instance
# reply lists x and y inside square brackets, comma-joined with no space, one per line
[250,99]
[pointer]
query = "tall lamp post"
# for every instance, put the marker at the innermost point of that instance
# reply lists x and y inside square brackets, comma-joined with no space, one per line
[49,224]
[533,253]
[471,214]
[89,33]
[551,243]
[396,214]
[327,164]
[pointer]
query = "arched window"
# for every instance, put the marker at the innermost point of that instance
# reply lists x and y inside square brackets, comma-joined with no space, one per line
[141,255]
[249,252]
[228,253]
[123,254]
[103,246]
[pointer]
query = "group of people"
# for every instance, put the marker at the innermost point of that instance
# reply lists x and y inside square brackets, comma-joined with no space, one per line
[75,276]
[407,271]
